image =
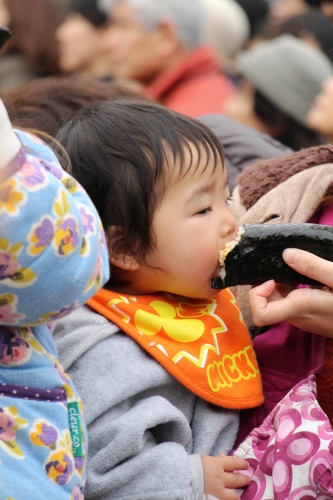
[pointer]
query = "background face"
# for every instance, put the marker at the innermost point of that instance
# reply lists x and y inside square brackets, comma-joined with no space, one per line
[78,43]
[283,9]
[133,50]
[4,14]
[320,116]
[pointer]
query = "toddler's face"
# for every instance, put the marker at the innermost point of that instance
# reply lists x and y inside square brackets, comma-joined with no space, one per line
[191,225]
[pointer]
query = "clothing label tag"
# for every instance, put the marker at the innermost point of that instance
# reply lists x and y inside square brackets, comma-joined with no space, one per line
[75,428]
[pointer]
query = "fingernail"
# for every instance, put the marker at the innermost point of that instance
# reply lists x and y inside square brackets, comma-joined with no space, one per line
[290,255]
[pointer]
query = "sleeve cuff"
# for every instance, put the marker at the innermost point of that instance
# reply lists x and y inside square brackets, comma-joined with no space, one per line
[197,481]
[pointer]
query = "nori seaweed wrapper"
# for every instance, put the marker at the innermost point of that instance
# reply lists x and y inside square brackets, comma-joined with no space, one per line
[258,256]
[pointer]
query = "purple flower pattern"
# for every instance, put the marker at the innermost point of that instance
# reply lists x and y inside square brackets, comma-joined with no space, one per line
[63,312]
[14,350]
[60,467]
[32,175]
[87,220]
[44,233]
[44,434]
[67,236]
[52,168]
[48,435]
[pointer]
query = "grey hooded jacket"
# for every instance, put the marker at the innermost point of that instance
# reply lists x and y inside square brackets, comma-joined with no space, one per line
[146,431]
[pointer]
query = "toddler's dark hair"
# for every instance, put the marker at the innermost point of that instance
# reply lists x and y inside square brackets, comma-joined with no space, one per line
[122,153]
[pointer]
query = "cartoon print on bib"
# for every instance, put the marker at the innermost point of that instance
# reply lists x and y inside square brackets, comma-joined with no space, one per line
[203,343]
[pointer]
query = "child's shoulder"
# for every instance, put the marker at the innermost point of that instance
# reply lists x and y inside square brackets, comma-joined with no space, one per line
[35,146]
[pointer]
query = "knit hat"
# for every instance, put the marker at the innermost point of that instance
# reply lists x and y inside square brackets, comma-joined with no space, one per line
[90,10]
[288,72]
[228,27]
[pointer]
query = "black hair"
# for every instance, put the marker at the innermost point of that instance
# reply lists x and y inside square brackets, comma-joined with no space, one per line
[120,153]
[313,3]
[288,131]
[312,23]
[90,10]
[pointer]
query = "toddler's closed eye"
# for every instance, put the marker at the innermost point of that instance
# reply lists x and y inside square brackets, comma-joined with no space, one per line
[204,211]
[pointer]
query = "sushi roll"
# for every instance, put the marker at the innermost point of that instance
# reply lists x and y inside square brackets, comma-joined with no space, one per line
[255,255]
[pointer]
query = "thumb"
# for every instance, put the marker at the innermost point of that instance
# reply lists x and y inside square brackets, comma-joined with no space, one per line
[309,265]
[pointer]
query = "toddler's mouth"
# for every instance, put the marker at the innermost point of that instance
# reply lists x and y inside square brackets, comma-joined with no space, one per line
[227,248]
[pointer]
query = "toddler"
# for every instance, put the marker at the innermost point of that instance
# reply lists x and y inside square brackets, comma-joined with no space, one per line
[52,260]
[167,362]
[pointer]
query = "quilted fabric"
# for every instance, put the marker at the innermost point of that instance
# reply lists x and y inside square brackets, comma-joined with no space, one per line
[291,453]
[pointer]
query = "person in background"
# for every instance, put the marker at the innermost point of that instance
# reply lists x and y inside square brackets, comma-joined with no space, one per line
[327,8]
[295,188]
[320,116]
[280,79]
[281,10]
[256,12]
[80,41]
[312,27]
[47,104]
[228,28]
[32,50]
[163,45]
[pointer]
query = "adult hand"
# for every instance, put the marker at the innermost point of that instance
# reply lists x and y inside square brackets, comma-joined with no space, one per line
[310,309]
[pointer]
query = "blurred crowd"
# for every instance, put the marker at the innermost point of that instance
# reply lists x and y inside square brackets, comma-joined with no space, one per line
[265,63]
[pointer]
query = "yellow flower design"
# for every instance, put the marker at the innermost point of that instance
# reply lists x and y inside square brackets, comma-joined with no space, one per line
[44,434]
[60,467]
[11,197]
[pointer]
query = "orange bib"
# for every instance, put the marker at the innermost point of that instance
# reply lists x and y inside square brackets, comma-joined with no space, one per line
[203,343]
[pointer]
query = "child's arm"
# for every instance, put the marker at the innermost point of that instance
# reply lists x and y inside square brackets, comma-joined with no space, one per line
[146,431]
[52,251]
[219,476]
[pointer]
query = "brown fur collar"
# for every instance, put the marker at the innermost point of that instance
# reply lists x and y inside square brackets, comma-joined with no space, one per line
[264,175]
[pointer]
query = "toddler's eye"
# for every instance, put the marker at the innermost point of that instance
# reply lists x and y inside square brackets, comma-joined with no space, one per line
[204,211]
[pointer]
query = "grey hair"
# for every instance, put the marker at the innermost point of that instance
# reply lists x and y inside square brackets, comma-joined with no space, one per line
[188,16]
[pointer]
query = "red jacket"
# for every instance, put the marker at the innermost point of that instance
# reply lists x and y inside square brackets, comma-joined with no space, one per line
[194,87]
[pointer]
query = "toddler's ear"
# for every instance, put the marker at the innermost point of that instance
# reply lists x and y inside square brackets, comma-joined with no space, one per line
[119,255]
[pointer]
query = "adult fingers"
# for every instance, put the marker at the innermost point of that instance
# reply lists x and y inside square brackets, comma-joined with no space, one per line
[266,312]
[310,265]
